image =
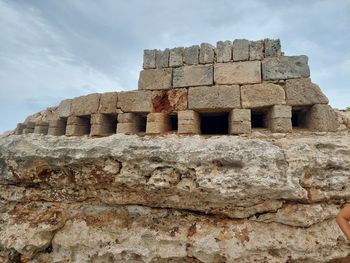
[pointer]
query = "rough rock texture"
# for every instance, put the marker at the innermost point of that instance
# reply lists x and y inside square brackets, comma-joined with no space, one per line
[173,199]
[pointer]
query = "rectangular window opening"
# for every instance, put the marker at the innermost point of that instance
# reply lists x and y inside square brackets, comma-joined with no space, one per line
[259,118]
[111,123]
[214,122]
[300,117]
[86,122]
[141,122]
[173,122]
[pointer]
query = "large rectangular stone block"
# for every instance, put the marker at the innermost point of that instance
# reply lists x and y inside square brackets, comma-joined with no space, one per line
[240,50]
[101,130]
[135,101]
[280,111]
[162,58]
[176,57]
[214,98]
[280,125]
[29,127]
[170,100]
[19,129]
[155,79]
[149,59]
[57,127]
[223,51]
[256,50]
[322,117]
[78,126]
[188,122]
[191,55]
[127,118]
[238,115]
[64,108]
[108,102]
[127,127]
[247,72]
[302,92]
[239,127]
[285,67]
[206,54]
[158,123]
[262,95]
[197,75]
[272,48]
[41,127]
[85,105]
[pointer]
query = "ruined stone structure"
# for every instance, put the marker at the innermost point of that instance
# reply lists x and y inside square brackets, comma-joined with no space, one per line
[231,89]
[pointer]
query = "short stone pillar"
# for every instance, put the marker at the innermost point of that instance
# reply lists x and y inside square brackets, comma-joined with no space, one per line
[78,126]
[157,123]
[129,123]
[239,121]
[29,128]
[188,122]
[19,129]
[322,117]
[102,124]
[280,118]
[57,127]
[41,127]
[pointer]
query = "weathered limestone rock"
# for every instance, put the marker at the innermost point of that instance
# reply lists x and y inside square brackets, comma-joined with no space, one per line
[247,72]
[85,105]
[321,117]
[188,122]
[176,57]
[162,58]
[124,198]
[169,101]
[135,101]
[157,123]
[256,50]
[223,51]
[57,127]
[155,79]
[41,127]
[191,55]
[240,121]
[206,54]
[214,98]
[108,103]
[149,59]
[189,76]
[272,48]
[240,50]
[285,67]
[78,126]
[64,109]
[300,92]
[262,95]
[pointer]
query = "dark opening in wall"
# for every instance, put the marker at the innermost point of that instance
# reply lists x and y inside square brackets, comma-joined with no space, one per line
[141,121]
[111,123]
[300,117]
[259,118]
[173,122]
[85,121]
[214,122]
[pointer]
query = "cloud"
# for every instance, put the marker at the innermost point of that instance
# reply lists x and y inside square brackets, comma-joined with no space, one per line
[51,50]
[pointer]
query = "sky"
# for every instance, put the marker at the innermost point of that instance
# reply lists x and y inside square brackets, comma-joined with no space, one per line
[51,50]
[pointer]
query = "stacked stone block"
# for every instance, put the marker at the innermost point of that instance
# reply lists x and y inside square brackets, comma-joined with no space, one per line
[41,127]
[238,79]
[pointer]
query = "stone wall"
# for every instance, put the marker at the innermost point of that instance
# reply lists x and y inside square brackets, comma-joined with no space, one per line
[233,88]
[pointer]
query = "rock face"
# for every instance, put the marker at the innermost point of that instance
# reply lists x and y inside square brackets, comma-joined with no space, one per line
[125,198]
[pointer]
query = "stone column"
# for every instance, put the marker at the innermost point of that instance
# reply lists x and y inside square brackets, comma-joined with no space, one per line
[78,126]
[102,124]
[29,128]
[188,122]
[158,122]
[57,127]
[280,118]
[129,123]
[41,127]
[239,121]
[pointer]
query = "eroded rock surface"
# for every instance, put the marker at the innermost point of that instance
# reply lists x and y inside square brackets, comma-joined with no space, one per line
[173,199]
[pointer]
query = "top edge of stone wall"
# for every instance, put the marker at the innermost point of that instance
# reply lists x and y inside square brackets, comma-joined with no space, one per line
[205,53]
